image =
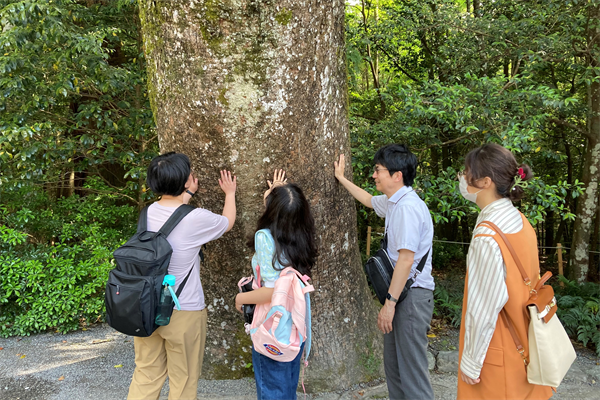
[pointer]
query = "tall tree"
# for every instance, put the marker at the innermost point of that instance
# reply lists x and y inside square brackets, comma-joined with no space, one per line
[587,206]
[251,86]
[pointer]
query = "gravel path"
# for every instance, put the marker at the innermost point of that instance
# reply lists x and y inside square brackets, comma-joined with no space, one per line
[98,364]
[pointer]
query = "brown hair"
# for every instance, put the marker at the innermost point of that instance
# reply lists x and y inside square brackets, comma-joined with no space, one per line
[499,164]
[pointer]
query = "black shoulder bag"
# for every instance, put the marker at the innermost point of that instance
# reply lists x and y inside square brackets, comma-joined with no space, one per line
[379,269]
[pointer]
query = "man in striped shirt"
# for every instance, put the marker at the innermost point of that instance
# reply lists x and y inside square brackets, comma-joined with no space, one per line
[409,229]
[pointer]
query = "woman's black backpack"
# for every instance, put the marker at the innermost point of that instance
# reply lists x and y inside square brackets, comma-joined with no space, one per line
[133,289]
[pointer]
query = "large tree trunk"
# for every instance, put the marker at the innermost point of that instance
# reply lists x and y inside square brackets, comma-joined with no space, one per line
[587,204]
[254,85]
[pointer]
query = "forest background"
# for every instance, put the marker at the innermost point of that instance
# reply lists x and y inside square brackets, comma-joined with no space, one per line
[77,132]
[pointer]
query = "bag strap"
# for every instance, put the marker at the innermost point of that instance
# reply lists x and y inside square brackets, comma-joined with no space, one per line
[422,262]
[384,242]
[142,225]
[514,335]
[512,251]
[180,288]
[175,218]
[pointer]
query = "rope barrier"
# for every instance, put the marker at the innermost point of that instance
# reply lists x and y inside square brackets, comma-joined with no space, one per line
[539,247]
[467,244]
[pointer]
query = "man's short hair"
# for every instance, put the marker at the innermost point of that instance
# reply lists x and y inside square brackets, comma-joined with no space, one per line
[397,157]
[168,174]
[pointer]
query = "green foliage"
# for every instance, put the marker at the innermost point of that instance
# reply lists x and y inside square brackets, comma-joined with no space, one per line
[76,134]
[73,95]
[444,254]
[579,310]
[55,258]
[444,79]
[448,304]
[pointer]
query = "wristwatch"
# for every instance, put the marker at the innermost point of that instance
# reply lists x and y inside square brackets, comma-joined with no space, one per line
[190,193]
[391,298]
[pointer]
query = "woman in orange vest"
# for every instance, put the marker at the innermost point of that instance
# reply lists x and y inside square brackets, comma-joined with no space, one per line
[490,367]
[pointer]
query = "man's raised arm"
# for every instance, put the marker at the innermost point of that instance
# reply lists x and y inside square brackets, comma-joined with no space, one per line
[359,194]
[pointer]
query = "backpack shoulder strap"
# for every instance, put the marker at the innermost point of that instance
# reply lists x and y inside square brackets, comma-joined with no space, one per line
[175,218]
[182,285]
[512,251]
[308,341]
[143,220]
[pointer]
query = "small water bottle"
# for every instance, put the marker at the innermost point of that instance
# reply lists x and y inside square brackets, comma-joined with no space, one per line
[168,298]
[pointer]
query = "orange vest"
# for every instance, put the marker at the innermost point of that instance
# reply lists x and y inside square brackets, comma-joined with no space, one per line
[504,374]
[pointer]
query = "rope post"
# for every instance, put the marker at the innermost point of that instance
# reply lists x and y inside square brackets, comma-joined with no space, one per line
[560,262]
[368,241]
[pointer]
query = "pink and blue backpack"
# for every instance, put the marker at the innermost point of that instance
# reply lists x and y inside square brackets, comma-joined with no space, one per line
[279,328]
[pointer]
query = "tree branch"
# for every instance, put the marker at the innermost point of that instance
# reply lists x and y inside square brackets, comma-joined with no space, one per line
[393,59]
[450,141]
[365,117]
[574,127]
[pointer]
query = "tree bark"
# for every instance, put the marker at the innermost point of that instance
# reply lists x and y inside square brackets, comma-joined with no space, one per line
[476,5]
[549,233]
[588,202]
[254,85]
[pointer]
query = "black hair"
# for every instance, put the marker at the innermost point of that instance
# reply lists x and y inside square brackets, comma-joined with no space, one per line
[288,217]
[397,157]
[168,173]
[499,164]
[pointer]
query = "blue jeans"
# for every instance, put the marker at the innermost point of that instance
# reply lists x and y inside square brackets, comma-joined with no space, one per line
[276,380]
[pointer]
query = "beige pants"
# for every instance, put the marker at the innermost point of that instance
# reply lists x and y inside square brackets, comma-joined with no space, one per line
[176,350]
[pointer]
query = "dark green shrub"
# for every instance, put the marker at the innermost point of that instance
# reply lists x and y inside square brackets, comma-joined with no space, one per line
[448,304]
[445,254]
[579,310]
[54,259]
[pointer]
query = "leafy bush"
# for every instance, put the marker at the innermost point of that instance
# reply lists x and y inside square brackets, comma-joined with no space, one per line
[579,310]
[54,259]
[448,303]
[445,253]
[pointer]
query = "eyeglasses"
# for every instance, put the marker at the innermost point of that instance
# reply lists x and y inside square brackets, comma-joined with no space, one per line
[377,169]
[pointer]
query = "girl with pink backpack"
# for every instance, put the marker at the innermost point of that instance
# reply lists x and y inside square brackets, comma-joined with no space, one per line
[286,250]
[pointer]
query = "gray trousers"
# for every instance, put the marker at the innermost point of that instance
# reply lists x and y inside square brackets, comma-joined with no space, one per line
[405,348]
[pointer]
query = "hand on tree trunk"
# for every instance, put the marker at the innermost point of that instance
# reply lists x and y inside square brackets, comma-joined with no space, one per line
[227,183]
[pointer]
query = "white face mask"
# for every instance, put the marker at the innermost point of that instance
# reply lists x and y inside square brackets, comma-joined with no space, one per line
[462,186]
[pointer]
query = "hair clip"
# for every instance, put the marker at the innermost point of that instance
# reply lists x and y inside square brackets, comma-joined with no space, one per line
[519,182]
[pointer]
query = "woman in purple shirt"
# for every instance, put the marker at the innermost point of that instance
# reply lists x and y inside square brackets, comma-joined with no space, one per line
[176,350]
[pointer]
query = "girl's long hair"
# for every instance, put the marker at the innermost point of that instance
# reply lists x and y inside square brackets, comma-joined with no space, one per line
[288,217]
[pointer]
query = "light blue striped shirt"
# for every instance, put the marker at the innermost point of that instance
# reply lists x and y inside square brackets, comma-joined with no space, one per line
[409,226]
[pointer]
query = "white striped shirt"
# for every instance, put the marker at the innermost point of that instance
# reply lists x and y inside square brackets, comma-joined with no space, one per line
[487,293]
